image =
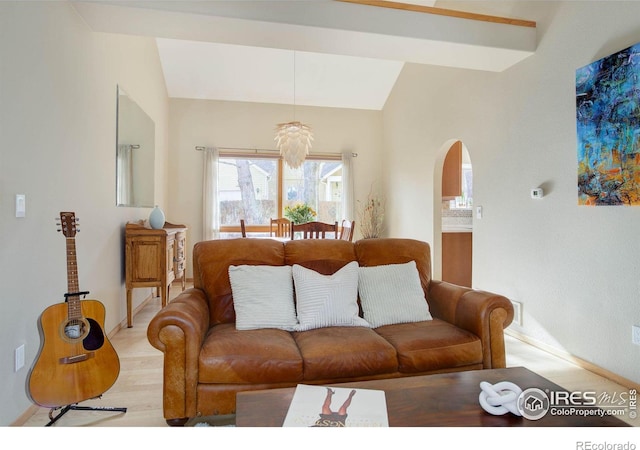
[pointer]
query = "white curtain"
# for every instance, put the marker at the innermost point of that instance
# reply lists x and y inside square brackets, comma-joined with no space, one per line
[124,171]
[210,203]
[347,186]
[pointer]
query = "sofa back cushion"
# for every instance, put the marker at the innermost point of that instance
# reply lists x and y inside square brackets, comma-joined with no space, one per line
[377,252]
[211,261]
[325,256]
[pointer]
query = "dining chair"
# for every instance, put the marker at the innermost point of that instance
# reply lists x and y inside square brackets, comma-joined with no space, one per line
[346,231]
[243,228]
[280,227]
[315,230]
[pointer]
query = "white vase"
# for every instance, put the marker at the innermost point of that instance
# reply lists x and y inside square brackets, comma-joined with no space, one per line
[156,218]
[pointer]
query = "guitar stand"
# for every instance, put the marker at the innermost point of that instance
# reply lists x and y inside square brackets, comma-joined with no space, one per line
[75,407]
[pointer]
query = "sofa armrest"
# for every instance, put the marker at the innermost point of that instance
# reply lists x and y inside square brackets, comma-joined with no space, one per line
[482,313]
[178,330]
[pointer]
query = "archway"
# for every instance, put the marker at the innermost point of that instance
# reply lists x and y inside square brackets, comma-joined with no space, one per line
[453,218]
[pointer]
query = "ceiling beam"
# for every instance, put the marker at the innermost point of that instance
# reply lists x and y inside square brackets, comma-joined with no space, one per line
[331,27]
[443,12]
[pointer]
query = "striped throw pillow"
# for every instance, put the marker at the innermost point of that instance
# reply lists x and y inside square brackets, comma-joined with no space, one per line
[263,297]
[391,294]
[327,300]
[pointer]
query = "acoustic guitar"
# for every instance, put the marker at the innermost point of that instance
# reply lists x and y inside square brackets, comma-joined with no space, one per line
[76,361]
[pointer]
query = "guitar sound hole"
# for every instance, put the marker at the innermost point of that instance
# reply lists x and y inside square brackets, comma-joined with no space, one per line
[75,329]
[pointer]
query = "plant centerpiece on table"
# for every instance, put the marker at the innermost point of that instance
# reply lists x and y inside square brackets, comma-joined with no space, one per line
[300,213]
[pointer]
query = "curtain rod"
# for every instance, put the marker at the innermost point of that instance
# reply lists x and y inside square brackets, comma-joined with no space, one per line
[256,150]
[200,148]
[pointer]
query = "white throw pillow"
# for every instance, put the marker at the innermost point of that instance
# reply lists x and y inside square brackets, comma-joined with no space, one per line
[327,300]
[263,297]
[391,294]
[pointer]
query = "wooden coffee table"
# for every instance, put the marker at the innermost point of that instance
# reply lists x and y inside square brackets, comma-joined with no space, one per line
[442,400]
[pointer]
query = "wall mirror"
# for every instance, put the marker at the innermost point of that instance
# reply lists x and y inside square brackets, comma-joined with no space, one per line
[135,154]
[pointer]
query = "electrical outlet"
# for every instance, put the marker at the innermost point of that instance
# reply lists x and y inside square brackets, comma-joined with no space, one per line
[19,358]
[517,312]
[635,334]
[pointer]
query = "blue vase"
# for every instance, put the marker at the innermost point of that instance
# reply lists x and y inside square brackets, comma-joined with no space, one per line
[156,218]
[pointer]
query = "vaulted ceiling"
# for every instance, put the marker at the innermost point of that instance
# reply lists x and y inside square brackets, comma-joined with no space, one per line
[317,53]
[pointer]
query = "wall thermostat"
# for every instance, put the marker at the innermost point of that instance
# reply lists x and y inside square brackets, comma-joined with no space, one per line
[537,193]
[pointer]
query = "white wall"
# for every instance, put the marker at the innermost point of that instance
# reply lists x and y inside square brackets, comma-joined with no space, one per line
[252,125]
[574,268]
[57,122]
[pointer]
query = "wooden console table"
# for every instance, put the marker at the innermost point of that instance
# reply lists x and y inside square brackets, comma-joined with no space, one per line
[154,258]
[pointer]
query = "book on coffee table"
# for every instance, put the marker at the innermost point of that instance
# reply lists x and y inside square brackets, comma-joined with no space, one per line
[328,406]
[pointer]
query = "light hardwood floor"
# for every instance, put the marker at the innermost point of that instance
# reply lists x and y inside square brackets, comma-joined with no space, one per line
[139,385]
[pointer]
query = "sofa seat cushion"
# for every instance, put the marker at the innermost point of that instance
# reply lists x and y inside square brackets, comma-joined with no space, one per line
[432,345]
[344,352]
[266,355]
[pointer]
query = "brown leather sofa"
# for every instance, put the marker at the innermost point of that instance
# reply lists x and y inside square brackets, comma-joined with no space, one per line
[207,361]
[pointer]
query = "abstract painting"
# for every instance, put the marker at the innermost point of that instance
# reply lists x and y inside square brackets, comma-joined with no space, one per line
[608,125]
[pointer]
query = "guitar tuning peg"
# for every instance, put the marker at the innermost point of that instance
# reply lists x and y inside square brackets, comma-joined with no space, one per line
[58,230]
[78,230]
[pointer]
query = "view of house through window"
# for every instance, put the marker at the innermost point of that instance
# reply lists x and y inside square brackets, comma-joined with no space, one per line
[259,189]
[247,189]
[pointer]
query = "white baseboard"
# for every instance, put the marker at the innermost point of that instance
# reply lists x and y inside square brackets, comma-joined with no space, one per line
[574,360]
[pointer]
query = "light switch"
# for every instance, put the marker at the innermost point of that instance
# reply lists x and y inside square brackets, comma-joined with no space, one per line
[21,207]
[478,212]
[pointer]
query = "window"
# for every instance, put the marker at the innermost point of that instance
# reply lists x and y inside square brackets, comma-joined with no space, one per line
[317,183]
[247,189]
[257,189]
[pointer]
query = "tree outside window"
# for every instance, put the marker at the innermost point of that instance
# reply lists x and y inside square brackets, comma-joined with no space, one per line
[248,188]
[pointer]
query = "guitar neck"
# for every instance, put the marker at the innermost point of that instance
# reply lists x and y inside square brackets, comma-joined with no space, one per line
[73,289]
